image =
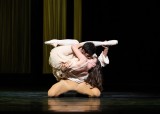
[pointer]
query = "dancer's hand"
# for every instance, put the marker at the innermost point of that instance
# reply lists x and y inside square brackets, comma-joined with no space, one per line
[65,66]
[105,51]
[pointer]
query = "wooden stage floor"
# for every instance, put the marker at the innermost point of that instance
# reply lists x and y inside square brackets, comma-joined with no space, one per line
[109,103]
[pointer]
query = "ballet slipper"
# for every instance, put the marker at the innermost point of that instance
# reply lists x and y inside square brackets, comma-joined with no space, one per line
[52,42]
[110,42]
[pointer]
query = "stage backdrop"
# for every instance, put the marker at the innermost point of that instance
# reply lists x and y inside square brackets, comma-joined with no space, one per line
[58,16]
[15,36]
[26,24]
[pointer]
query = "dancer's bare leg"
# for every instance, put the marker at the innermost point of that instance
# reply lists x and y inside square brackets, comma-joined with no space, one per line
[61,87]
[62,42]
[87,89]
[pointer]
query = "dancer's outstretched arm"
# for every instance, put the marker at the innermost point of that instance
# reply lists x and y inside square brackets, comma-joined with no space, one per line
[103,57]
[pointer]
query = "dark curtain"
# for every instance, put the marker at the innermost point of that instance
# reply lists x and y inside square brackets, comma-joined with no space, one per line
[15,36]
[61,20]
[54,26]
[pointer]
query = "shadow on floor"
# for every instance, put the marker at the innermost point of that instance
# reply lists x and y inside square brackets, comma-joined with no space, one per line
[71,102]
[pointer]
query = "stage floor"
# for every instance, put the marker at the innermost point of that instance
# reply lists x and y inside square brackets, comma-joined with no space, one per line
[109,102]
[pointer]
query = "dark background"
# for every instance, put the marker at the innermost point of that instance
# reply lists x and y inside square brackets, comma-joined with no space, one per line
[135,24]
[133,62]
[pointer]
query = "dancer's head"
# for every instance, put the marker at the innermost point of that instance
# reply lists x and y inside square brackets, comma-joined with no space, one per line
[95,76]
[92,63]
[88,49]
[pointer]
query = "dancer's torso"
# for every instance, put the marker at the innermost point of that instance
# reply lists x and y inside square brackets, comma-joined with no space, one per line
[62,54]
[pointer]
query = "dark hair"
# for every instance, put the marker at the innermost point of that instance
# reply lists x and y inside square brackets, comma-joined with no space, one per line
[95,76]
[89,48]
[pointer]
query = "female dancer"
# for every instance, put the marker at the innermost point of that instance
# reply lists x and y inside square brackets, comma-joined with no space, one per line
[88,81]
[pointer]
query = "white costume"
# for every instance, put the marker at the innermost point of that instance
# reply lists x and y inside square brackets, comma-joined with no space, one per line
[103,60]
[64,53]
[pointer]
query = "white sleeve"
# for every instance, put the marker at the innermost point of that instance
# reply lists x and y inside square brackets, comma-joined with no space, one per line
[103,60]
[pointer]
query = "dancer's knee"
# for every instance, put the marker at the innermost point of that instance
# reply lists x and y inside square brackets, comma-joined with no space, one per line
[96,92]
[51,94]
[54,90]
